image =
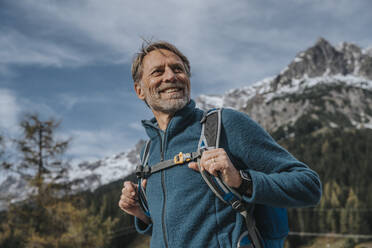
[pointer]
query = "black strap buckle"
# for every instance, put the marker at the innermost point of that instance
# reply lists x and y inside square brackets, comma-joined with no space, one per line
[143,172]
[139,170]
[238,205]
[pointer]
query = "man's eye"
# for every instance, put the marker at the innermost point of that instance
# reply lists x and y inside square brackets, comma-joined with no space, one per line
[178,69]
[157,72]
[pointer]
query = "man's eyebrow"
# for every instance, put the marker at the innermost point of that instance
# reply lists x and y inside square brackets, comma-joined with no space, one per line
[177,64]
[170,64]
[156,67]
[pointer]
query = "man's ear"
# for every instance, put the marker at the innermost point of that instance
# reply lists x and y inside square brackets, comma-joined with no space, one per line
[139,90]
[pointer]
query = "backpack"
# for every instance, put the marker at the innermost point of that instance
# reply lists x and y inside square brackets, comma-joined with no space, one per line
[209,138]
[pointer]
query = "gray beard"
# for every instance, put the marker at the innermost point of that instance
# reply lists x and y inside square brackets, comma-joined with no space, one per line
[170,106]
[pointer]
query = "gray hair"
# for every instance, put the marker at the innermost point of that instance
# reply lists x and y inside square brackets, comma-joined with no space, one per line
[149,46]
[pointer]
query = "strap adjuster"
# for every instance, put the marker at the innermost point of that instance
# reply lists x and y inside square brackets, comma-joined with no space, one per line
[139,171]
[237,205]
[143,172]
[182,158]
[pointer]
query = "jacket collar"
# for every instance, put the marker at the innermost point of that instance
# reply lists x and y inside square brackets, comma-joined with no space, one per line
[178,122]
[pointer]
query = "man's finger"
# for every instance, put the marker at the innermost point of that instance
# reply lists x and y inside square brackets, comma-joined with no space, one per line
[194,166]
[124,205]
[214,169]
[208,154]
[129,188]
[129,201]
[215,153]
[144,183]
[129,185]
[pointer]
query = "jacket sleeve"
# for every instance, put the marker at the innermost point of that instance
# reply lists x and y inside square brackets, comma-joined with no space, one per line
[279,179]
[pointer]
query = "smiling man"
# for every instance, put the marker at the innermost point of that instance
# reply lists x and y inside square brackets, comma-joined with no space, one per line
[181,209]
[164,84]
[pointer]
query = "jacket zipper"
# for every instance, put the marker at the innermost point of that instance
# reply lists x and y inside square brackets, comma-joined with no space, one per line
[164,228]
[163,212]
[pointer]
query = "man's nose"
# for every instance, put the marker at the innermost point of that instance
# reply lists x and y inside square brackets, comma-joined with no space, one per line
[169,75]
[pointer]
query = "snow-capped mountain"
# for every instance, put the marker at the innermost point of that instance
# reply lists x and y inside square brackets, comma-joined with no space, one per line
[84,176]
[325,82]
[92,175]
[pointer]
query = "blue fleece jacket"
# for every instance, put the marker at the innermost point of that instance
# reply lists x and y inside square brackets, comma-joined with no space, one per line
[186,213]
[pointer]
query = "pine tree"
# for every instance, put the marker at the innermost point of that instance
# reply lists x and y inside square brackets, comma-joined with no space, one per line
[41,160]
[50,216]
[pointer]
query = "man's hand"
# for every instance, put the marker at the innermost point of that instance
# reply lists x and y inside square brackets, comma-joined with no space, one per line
[216,160]
[129,201]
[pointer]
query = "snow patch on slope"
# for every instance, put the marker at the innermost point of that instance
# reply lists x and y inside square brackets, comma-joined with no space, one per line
[238,98]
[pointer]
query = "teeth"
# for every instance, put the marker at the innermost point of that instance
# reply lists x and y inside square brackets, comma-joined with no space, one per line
[171,90]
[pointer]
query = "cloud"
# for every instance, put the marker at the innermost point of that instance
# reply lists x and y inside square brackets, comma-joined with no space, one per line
[9,111]
[70,100]
[91,145]
[6,71]
[13,108]
[42,109]
[136,126]
[214,34]
[20,49]
[239,43]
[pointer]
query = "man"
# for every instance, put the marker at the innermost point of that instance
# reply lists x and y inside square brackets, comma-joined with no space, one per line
[184,212]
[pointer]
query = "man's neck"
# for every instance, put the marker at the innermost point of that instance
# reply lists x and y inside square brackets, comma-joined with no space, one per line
[163,119]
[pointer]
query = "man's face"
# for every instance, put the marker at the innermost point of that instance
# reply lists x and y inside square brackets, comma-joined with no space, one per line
[165,85]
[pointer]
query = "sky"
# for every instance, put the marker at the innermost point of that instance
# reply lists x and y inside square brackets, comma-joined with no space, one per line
[71,59]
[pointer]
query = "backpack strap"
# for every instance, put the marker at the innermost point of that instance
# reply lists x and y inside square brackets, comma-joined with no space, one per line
[145,171]
[142,199]
[209,138]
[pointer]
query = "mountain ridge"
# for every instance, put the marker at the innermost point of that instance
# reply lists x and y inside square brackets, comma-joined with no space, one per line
[272,101]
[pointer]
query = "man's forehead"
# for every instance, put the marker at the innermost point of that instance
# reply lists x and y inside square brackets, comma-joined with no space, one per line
[160,56]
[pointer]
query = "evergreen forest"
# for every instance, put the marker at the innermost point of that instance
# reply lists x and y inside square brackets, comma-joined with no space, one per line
[54,216]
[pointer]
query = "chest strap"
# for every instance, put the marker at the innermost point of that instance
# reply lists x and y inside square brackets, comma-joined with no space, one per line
[181,158]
